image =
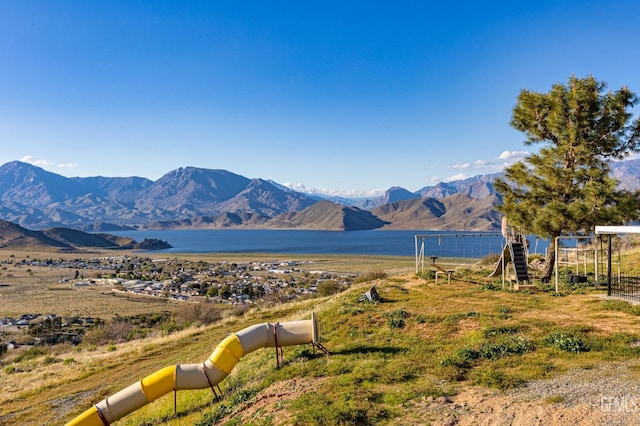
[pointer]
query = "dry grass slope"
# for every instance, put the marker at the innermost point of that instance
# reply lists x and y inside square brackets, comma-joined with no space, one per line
[426,354]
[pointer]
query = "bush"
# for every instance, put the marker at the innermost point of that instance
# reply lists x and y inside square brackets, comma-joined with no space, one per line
[508,345]
[114,332]
[328,288]
[31,353]
[457,365]
[490,259]
[395,319]
[376,274]
[318,409]
[493,378]
[566,341]
[194,313]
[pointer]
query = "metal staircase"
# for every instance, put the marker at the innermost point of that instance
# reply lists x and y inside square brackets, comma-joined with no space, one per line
[518,252]
[519,258]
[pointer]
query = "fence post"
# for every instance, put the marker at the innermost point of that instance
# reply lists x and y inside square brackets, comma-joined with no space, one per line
[609,265]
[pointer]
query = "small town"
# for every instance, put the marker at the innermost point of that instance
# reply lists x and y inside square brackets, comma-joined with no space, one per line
[237,284]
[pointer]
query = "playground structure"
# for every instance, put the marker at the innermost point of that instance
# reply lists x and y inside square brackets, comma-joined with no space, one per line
[203,375]
[586,261]
[453,245]
[515,252]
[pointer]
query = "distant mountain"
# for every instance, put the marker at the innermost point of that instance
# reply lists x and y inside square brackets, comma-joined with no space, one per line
[26,185]
[193,197]
[32,197]
[262,197]
[224,220]
[326,215]
[121,189]
[14,236]
[457,212]
[627,173]
[391,195]
[477,187]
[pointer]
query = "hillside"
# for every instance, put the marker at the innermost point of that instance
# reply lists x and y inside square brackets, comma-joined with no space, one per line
[326,215]
[15,236]
[426,354]
[456,212]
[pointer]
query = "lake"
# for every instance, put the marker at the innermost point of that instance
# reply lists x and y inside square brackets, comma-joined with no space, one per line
[391,243]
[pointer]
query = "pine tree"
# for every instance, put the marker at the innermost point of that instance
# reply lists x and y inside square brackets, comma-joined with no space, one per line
[566,188]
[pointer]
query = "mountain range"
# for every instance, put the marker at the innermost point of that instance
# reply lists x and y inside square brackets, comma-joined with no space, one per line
[193,197]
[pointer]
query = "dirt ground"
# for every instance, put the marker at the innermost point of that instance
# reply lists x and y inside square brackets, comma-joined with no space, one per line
[600,396]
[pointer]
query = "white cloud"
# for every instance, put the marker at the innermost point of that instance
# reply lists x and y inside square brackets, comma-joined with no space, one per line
[68,165]
[512,155]
[33,160]
[459,176]
[461,166]
[334,192]
[295,186]
[505,159]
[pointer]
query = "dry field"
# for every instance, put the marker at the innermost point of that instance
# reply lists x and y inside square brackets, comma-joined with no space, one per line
[35,289]
[28,289]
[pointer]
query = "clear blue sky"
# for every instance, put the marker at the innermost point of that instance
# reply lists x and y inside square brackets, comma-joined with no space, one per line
[349,96]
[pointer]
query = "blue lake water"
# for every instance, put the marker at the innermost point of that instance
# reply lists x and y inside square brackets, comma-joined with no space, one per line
[392,243]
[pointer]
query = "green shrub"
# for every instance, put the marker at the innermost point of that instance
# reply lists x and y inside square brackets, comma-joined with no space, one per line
[566,341]
[242,395]
[502,330]
[421,319]
[494,378]
[376,274]
[329,288]
[554,399]
[620,306]
[318,409]
[457,365]
[506,346]
[31,353]
[395,319]
[504,312]
[213,417]
[49,359]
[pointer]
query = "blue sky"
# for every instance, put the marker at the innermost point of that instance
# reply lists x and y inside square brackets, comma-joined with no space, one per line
[343,97]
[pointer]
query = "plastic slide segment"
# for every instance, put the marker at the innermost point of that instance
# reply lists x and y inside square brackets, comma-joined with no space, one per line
[227,353]
[89,418]
[198,376]
[505,257]
[123,402]
[254,337]
[287,334]
[294,333]
[159,383]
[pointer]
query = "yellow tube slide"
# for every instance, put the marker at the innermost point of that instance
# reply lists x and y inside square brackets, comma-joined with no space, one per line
[198,376]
